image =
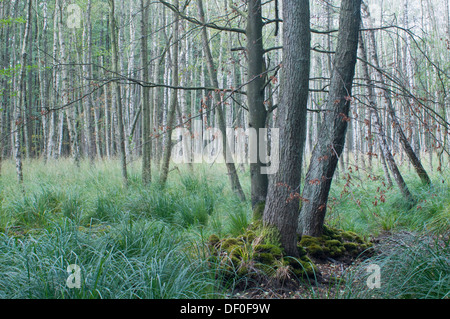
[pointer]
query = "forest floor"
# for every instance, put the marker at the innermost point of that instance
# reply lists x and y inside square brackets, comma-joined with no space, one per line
[66,215]
[326,285]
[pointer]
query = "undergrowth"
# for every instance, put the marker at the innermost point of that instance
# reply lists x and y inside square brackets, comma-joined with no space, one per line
[149,242]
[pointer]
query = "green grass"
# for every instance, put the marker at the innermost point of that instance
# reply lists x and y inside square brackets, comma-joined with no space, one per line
[369,207]
[146,259]
[139,242]
[412,267]
[148,242]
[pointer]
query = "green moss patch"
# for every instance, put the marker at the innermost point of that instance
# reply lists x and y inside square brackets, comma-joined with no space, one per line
[257,253]
[335,243]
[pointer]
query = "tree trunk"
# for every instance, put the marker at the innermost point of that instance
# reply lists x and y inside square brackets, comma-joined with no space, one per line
[255,97]
[282,203]
[146,110]
[117,93]
[332,132]
[21,96]
[173,102]
[65,86]
[231,168]
[55,80]
[88,73]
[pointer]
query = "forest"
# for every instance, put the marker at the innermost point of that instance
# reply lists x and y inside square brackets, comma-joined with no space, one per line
[224,149]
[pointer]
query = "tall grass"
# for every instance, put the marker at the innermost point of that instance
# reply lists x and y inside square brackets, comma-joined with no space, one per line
[368,207]
[412,267]
[146,259]
[135,242]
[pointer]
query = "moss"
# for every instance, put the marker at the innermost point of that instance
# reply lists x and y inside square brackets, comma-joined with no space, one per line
[271,236]
[333,242]
[351,246]
[258,211]
[331,233]
[315,250]
[242,271]
[213,240]
[235,262]
[258,252]
[229,242]
[301,251]
[302,267]
[308,241]
[268,248]
[265,258]
[249,236]
[351,236]
[235,250]
[337,251]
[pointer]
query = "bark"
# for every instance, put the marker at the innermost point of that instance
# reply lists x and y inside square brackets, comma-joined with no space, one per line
[282,203]
[88,72]
[65,88]
[146,109]
[55,80]
[117,94]
[43,86]
[332,132]
[255,97]
[21,95]
[173,102]
[28,125]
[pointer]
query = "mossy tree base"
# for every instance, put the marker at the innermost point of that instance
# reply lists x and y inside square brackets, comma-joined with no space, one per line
[257,254]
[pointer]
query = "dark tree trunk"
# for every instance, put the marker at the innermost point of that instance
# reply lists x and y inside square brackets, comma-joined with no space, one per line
[146,109]
[282,203]
[255,97]
[174,101]
[333,129]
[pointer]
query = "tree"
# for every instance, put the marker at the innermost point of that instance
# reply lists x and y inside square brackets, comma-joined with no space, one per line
[255,98]
[332,131]
[21,96]
[282,203]
[146,110]
[174,99]
[231,168]
[88,75]
[117,93]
